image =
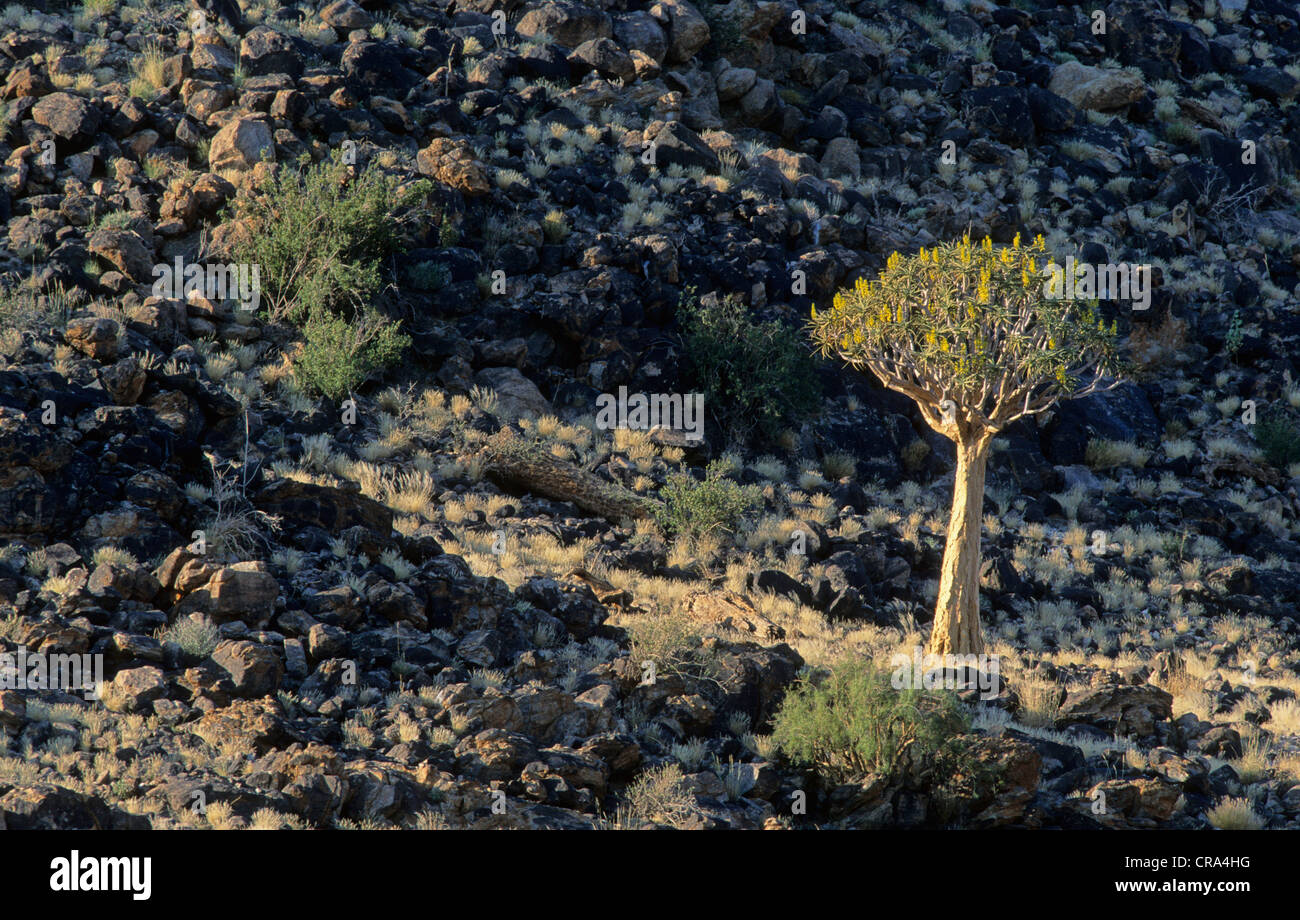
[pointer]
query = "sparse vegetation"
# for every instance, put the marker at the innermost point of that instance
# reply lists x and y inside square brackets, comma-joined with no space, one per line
[756,376]
[853,722]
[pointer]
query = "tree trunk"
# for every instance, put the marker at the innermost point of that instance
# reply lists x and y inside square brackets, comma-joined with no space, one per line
[957,613]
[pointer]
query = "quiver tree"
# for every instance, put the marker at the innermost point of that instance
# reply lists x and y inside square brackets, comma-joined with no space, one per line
[970,333]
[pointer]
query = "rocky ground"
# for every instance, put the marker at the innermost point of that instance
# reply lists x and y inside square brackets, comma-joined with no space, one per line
[380,626]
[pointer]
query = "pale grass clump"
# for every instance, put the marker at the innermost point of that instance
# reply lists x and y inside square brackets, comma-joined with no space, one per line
[1284,717]
[838,466]
[402,569]
[1070,501]
[1040,703]
[1234,814]
[1103,454]
[268,819]
[113,555]
[1253,764]
[410,492]
[769,468]
[317,452]
[220,816]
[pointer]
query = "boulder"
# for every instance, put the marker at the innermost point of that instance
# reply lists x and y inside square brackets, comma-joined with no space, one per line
[305,504]
[133,689]
[241,145]
[568,23]
[452,163]
[265,51]
[70,117]
[125,251]
[516,394]
[1094,87]
[244,591]
[1118,708]
[688,31]
[95,337]
[254,669]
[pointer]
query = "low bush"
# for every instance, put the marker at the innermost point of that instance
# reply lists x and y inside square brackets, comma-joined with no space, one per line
[1278,434]
[339,354]
[693,508]
[756,376]
[319,236]
[853,722]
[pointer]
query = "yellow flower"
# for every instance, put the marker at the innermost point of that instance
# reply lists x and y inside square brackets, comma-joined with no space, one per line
[988,244]
[1016,242]
[943,345]
[814,309]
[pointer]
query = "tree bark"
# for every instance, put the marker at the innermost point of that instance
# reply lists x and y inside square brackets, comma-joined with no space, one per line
[957,614]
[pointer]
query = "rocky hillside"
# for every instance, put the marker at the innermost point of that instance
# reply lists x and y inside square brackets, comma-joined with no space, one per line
[345,528]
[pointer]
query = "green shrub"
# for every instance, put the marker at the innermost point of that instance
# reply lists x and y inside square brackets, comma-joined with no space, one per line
[693,508]
[1232,340]
[1278,434]
[319,238]
[428,276]
[854,722]
[755,375]
[340,354]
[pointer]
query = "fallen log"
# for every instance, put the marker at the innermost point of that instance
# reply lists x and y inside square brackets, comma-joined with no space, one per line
[519,465]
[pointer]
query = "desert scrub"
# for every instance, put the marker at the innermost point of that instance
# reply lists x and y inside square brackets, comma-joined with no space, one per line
[756,376]
[1278,434]
[196,635]
[22,307]
[658,796]
[339,354]
[320,236]
[673,644]
[853,722]
[428,276]
[693,508]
